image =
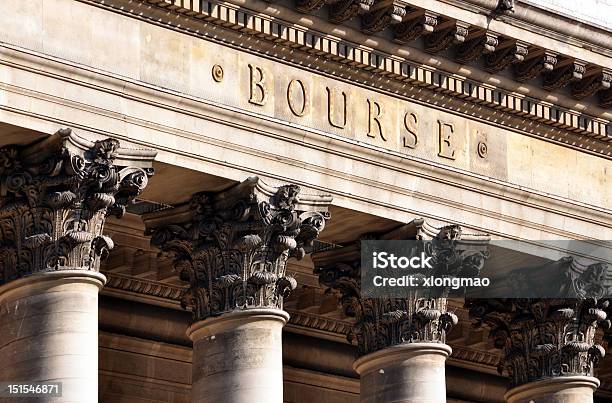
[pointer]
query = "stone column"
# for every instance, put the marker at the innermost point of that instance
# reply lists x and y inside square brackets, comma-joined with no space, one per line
[548,346]
[402,340]
[232,247]
[55,196]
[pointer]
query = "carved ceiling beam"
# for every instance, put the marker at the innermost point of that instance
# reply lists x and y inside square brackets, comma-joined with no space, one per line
[385,322]
[594,80]
[564,72]
[381,15]
[540,61]
[445,35]
[476,44]
[233,246]
[543,338]
[55,196]
[344,10]
[508,52]
[415,24]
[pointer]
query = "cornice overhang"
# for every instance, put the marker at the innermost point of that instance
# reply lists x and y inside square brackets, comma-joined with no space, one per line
[390,69]
[468,38]
[536,17]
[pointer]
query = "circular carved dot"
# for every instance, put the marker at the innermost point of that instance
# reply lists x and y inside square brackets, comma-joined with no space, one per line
[482,149]
[217,73]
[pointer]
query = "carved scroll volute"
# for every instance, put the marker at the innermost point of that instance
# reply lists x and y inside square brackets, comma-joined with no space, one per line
[506,53]
[233,246]
[381,15]
[592,81]
[344,10]
[563,73]
[55,196]
[416,23]
[537,61]
[543,338]
[480,43]
[385,322]
[445,35]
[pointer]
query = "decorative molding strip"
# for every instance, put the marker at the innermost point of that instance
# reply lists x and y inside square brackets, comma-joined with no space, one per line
[319,322]
[174,293]
[480,357]
[143,286]
[391,66]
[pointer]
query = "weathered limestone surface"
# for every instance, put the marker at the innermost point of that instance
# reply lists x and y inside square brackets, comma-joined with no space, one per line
[55,196]
[139,361]
[403,339]
[232,247]
[238,357]
[407,373]
[392,149]
[49,332]
[174,111]
[565,389]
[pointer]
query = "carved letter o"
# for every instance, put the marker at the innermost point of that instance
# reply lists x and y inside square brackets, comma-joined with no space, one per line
[290,89]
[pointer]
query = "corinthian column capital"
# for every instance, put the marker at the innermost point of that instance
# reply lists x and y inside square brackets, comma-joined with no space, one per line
[543,338]
[232,246]
[55,196]
[386,322]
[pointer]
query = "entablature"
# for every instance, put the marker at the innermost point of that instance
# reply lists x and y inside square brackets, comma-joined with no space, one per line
[235,138]
[448,44]
[469,36]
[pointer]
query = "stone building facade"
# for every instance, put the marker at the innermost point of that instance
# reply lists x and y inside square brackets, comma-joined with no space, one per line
[184,185]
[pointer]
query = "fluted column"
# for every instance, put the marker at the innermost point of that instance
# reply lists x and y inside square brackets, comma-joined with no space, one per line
[548,346]
[232,247]
[55,196]
[401,340]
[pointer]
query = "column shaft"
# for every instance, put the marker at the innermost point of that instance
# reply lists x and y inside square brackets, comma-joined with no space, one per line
[407,373]
[563,389]
[238,357]
[49,332]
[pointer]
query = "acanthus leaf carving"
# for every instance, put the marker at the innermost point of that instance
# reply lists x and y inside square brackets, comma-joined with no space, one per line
[543,338]
[55,196]
[308,6]
[591,83]
[385,322]
[471,49]
[233,246]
